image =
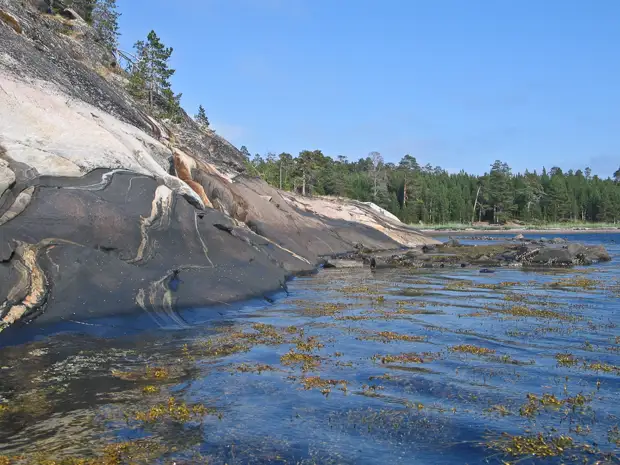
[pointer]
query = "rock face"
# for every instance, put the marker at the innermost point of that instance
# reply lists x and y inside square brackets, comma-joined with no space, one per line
[105,210]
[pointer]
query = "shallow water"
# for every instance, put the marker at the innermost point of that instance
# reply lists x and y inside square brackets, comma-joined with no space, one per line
[395,366]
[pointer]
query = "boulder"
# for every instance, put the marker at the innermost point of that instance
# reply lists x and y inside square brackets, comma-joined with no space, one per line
[597,253]
[561,257]
[452,243]
[558,240]
[519,237]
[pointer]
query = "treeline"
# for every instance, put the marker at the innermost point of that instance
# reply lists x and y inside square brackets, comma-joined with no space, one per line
[412,192]
[431,195]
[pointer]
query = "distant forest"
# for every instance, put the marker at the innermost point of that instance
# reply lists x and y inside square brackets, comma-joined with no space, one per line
[431,195]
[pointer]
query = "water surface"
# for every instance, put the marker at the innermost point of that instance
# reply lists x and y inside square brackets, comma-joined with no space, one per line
[445,366]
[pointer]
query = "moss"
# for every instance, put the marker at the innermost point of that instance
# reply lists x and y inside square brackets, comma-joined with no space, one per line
[533,445]
[139,451]
[174,410]
[528,312]
[389,336]
[324,385]
[566,360]
[10,21]
[150,389]
[399,358]
[535,404]
[255,368]
[471,349]
[308,362]
[309,344]
[577,282]
[149,373]
[604,367]
[499,409]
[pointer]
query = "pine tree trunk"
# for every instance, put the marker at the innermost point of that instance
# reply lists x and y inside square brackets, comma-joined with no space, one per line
[280,175]
[303,186]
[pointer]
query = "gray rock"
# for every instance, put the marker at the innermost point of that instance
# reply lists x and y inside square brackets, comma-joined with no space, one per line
[550,256]
[597,254]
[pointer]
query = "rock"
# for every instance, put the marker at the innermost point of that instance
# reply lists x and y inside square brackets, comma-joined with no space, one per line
[558,240]
[71,15]
[340,263]
[550,256]
[222,227]
[576,250]
[519,237]
[487,270]
[542,240]
[7,177]
[429,248]
[10,20]
[452,243]
[597,254]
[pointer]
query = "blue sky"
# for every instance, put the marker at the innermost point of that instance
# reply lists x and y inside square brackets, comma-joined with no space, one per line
[455,83]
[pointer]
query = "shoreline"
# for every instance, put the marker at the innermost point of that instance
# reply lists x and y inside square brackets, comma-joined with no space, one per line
[515,231]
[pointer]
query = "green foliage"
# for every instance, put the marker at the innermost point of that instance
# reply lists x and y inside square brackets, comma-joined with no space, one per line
[430,195]
[201,117]
[105,22]
[150,75]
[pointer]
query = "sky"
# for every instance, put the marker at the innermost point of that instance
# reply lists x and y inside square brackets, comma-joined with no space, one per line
[453,83]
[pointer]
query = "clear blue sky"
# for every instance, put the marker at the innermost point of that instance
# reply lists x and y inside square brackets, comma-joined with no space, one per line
[455,83]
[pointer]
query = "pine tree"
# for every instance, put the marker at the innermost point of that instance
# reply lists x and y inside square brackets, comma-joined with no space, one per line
[201,117]
[105,22]
[153,67]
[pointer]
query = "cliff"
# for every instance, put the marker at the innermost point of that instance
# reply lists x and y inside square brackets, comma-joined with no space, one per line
[105,210]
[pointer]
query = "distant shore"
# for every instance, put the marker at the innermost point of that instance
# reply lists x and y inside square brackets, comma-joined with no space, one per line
[515,231]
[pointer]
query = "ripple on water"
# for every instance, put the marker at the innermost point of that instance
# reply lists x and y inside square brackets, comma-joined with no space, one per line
[396,366]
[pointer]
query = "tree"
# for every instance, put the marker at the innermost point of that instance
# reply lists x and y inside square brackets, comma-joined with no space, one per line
[376,165]
[617,176]
[152,66]
[105,22]
[500,194]
[201,117]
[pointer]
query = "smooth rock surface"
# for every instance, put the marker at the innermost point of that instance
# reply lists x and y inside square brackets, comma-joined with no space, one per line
[106,210]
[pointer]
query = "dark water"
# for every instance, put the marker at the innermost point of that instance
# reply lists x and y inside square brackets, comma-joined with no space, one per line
[397,366]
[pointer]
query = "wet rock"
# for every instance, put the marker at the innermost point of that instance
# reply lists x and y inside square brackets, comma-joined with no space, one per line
[452,243]
[487,270]
[519,237]
[558,240]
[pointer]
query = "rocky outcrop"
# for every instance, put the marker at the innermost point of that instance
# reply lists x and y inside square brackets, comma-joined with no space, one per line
[452,253]
[105,210]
